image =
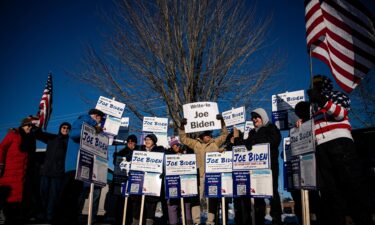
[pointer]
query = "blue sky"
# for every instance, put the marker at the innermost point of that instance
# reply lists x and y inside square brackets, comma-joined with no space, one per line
[41,36]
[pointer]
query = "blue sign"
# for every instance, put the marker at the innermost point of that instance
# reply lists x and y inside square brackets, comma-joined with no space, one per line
[212,186]
[135,184]
[172,187]
[241,183]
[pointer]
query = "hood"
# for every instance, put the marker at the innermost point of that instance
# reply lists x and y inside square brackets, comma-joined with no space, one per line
[262,113]
[64,124]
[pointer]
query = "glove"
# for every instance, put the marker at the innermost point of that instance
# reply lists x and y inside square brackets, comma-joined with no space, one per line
[249,147]
[2,169]
[219,117]
[183,122]
[98,129]
[316,97]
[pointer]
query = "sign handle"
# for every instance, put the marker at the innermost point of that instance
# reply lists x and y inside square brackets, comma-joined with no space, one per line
[305,207]
[91,197]
[125,209]
[223,215]
[182,210]
[142,207]
[252,210]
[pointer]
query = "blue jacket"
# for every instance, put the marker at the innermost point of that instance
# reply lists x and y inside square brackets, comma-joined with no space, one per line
[74,139]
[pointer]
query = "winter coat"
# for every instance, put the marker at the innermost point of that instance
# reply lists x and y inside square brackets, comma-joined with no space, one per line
[14,150]
[200,148]
[54,161]
[74,139]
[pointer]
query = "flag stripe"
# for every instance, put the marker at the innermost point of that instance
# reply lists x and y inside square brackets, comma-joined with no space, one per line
[342,35]
[45,105]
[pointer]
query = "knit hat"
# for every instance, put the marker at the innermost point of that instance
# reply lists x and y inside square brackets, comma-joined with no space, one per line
[325,82]
[302,110]
[174,142]
[28,121]
[152,137]
[97,112]
[132,138]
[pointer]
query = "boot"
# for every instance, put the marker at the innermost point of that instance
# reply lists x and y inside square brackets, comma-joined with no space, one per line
[135,221]
[149,222]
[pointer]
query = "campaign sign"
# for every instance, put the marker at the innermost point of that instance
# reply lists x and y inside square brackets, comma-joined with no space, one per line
[234,116]
[261,183]
[212,186]
[152,184]
[180,164]
[201,116]
[120,174]
[296,173]
[92,142]
[287,149]
[135,184]
[112,125]
[85,164]
[217,162]
[147,161]
[302,139]
[257,158]
[308,171]
[288,175]
[249,125]
[283,104]
[110,107]
[241,183]
[172,187]
[155,124]
[189,185]
[226,185]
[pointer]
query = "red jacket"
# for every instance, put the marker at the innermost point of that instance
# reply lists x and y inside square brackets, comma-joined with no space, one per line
[15,165]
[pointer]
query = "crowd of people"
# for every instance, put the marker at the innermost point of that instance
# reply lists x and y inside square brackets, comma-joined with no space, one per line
[342,188]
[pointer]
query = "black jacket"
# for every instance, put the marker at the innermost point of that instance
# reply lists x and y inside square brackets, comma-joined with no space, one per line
[54,162]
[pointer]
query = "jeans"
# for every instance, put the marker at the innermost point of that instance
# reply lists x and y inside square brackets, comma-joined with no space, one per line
[50,188]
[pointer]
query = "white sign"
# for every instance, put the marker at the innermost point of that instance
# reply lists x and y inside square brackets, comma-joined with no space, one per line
[112,125]
[226,184]
[249,125]
[92,142]
[308,171]
[188,185]
[234,116]
[302,138]
[283,108]
[100,170]
[155,124]
[180,164]
[110,107]
[201,116]
[147,161]
[257,158]
[151,184]
[287,150]
[124,122]
[217,162]
[261,183]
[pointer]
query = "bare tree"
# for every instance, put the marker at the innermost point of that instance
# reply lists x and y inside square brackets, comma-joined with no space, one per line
[166,53]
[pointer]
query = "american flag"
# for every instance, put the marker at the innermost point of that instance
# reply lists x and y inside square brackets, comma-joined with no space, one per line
[341,33]
[45,105]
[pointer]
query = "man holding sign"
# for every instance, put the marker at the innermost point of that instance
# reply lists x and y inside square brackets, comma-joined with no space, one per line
[204,143]
[265,132]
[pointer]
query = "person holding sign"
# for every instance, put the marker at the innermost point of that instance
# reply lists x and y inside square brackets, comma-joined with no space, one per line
[265,132]
[72,188]
[173,204]
[339,171]
[118,159]
[204,143]
[150,201]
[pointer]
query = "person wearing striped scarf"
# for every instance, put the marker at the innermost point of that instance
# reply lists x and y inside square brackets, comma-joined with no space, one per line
[339,171]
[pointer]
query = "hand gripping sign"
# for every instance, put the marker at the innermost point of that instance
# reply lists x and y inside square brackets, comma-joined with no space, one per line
[201,116]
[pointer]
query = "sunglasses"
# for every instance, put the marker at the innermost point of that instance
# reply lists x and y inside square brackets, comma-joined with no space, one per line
[65,128]
[255,117]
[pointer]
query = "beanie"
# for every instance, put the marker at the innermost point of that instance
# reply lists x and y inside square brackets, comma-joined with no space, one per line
[132,137]
[152,137]
[97,112]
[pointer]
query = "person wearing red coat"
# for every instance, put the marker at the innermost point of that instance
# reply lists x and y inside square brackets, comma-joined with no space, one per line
[14,151]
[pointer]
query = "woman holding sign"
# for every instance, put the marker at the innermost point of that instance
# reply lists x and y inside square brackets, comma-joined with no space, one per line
[265,132]
[150,201]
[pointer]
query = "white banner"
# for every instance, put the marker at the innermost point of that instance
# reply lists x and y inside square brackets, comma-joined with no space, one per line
[249,125]
[112,125]
[100,170]
[201,116]
[151,184]
[217,162]
[110,107]
[124,122]
[155,124]
[147,161]
[189,185]
[302,139]
[261,183]
[308,171]
[180,164]
[226,184]
[234,116]
[92,142]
